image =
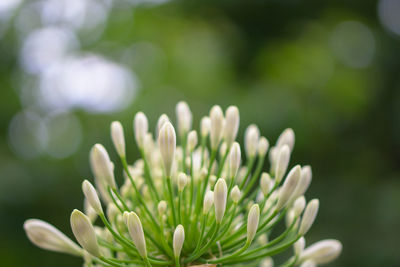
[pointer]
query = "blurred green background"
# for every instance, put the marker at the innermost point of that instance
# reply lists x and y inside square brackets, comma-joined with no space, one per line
[328,69]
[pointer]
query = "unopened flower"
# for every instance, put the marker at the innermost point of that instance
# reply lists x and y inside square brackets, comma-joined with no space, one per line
[216,126]
[91,195]
[235,194]
[184,116]
[182,181]
[234,159]
[192,140]
[117,135]
[322,252]
[102,166]
[136,232]
[220,194]
[141,126]
[286,138]
[179,238]
[205,126]
[208,201]
[167,145]
[231,124]
[309,216]
[160,123]
[288,187]
[252,222]
[265,183]
[252,136]
[282,162]
[299,246]
[263,146]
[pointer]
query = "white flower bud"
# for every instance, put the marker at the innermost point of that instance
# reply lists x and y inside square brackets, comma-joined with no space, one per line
[91,195]
[288,187]
[184,116]
[216,126]
[265,183]
[136,232]
[102,167]
[234,160]
[84,232]
[179,238]
[282,163]
[299,205]
[117,136]
[251,137]
[167,145]
[192,141]
[212,179]
[205,126]
[208,201]
[267,262]
[305,181]
[235,194]
[223,148]
[309,216]
[263,146]
[125,216]
[286,138]
[163,119]
[299,246]
[308,263]
[46,236]
[112,212]
[89,211]
[322,252]
[231,124]
[141,126]
[162,207]
[182,181]
[252,222]
[220,194]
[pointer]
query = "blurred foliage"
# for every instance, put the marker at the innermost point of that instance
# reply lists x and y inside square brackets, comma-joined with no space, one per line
[279,63]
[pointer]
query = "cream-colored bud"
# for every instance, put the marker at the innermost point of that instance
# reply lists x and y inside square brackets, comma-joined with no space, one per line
[299,246]
[263,146]
[220,195]
[91,195]
[192,141]
[251,137]
[235,194]
[322,252]
[162,207]
[179,238]
[182,181]
[309,216]
[299,205]
[102,167]
[125,216]
[288,187]
[265,183]
[282,162]
[308,263]
[223,148]
[205,126]
[216,126]
[163,119]
[286,138]
[234,160]
[184,116]
[117,136]
[46,236]
[89,211]
[267,262]
[231,124]
[208,201]
[213,180]
[84,232]
[167,145]
[136,232]
[305,181]
[141,127]
[252,222]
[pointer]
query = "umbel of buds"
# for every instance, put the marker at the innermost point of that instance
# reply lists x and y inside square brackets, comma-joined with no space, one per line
[192,198]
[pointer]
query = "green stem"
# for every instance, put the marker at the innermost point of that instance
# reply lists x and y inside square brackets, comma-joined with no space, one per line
[171,199]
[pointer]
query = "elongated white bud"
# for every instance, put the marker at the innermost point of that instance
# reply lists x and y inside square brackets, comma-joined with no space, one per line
[208,201]
[91,195]
[162,207]
[286,138]
[308,263]
[205,126]
[184,116]
[192,141]
[299,205]
[182,181]
[163,119]
[265,183]
[234,159]
[220,194]
[216,126]
[299,246]
[84,232]
[235,194]
[251,137]
[136,232]
[252,222]
[46,236]
[102,167]
[179,238]
[288,187]
[117,136]
[141,127]
[305,181]
[282,163]
[322,252]
[231,124]
[167,145]
[309,216]
[263,146]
